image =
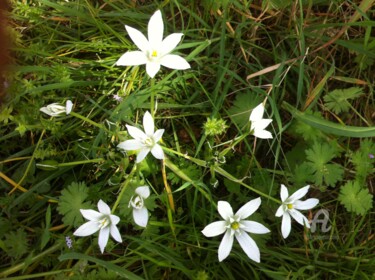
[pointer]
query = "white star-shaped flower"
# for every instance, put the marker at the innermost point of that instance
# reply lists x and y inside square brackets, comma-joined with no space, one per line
[236,225]
[144,141]
[140,213]
[154,51]
[290,206]
[55,109]
[103,221]
[258,124]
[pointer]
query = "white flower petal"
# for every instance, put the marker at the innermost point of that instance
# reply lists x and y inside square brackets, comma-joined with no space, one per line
[225,245]
[283,193]
[155,30]
[262,134]
[158,134]
[114,219]
[87,229]
[130,145]
[225,210]
[148,124]
[91,215]
[152,68]
[136,133]
[249,246]
[307,204]
[142,154]
[68,107]
[157,152]
[298,194]
[286,225]
[249,208]
[299,217]
[115,233]
[132,58]
[261,124]
[257,113]
[103,238]
[138,38]
[104,208]
[140,216]
[143,191]
[214,229]
[174,61]
[254,227]
[280,211]
[169,43]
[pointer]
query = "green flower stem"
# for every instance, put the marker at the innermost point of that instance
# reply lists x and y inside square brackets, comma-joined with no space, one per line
[74,114]
[73,163]
[152,99]
[223,173]
[124,187]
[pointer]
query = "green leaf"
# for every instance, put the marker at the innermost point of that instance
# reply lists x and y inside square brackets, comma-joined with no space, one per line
[362,160]
[16,243]
[355,199]
[318,158]
[338,100]
[71,201]
[46,234]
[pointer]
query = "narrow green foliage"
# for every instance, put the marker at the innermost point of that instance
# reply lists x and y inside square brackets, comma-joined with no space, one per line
[242,106]
[339,100]
[72,199]
[356,199]
[319,158]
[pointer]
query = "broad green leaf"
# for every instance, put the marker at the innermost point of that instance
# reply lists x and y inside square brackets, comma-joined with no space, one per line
[355,198]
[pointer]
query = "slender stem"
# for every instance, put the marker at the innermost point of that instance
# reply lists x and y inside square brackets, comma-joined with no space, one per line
[74,114]
[152,99]
[80,162]
[124,187]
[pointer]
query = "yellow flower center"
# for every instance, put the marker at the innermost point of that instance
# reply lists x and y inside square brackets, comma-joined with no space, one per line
[149,142]
[104,222]
[290,206]
[235,225]
[154,54]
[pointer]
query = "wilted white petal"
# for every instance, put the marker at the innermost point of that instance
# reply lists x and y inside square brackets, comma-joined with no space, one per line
[225,210]
[148,124]
[225,246]
[91,215]
[280,211]
[283,193]
[249,208]
[174,61]
[155,29]
[158,134]
[299,194]
[214,229]
[249,246]
[115,233]
[143,191]
[104,208]
[68,107]
[307,204]
[103,238]
[254,227]
[263,134]
[157,152]
[260,124]
[257,113]
[87,229]
[138,38]
[142,154]
[286,225]
[132,58]
[152,68]
[140,216]
[170,42]
[130,145]
[136,133]
[301,219]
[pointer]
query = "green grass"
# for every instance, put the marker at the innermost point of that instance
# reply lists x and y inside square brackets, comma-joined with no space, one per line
[295,55]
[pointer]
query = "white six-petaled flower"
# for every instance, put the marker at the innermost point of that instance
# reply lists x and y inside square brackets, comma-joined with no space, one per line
[55,109]
[258,124]
[236,225]
[140,213]
[103,221]
[144,141]
[154,51]
[290,206]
